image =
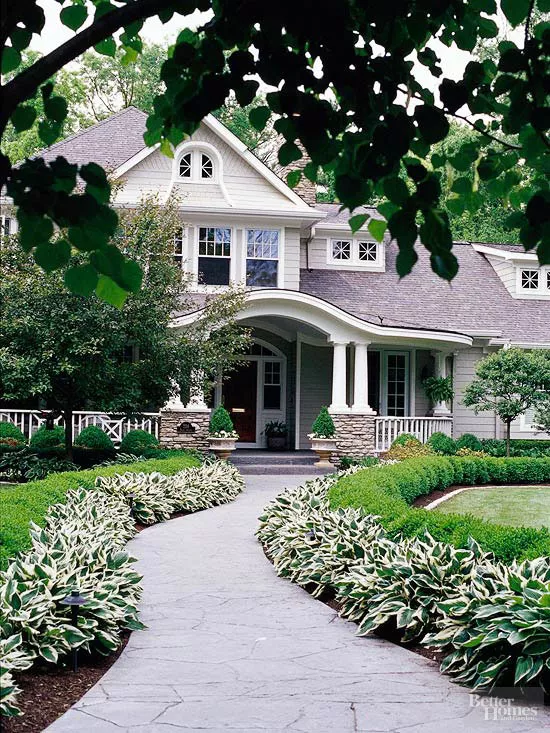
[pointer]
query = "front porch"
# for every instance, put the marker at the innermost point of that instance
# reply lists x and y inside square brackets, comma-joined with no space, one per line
[307,353]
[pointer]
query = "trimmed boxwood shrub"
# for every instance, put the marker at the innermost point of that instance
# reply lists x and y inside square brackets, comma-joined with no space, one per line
[95,438]
[137,442]
[405,438]
[442,443]
[518,447]
[470,441]
[323,425]
[389,491]
[11,438]
[220,421]
[45,440]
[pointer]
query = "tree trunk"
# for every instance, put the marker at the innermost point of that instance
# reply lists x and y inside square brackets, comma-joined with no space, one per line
[508,426]
[68,420]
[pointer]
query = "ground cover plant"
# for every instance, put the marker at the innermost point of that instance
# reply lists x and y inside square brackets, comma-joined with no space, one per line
[517,506]
[489,618]
[30,502]
[80,545]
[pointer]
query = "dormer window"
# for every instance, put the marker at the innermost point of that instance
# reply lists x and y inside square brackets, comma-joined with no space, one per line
[185,166]
[341,249]
[197,166]
[368,251]
[356,254]
[207,167]
[530,279]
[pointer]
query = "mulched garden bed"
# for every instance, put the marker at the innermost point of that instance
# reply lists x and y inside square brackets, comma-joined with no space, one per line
[48,692]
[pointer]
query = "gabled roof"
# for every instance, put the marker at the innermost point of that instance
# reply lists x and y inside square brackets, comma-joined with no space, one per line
[475,302]
[110,143]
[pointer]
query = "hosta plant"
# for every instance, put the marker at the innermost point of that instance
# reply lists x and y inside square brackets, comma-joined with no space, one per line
[13,658]
[496,629]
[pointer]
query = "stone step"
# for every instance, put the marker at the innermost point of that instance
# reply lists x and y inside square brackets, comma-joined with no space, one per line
[306,458]
[280,469]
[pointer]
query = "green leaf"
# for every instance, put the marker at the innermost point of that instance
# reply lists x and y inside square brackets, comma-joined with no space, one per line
[55,108]
[258,117]
[81,280]
[73,16]
[49,131]
[396,190]
[515,10]
[357,221]
[106,47]
[131,276]
[23,117]
[33,229]
[377,227]
[432,123]
[52,255]
[11,58]
[49,654]
[288,153]
[293,178]
[110,292]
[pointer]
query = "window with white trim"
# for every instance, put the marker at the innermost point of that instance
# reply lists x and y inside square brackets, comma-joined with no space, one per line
[530,279]
[178,247]
[272,385]
[207,167]
[196,165]
[185,165]
[359,252]
[6,226]
[262,258]
[214,255]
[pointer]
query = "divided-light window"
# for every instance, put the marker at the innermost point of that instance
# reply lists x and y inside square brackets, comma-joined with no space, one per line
[214,255]
[196,166]
[354,252]
[530,279]
[262,258]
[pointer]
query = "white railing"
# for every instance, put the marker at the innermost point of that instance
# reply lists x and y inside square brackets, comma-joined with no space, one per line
[388,428]
[116,426]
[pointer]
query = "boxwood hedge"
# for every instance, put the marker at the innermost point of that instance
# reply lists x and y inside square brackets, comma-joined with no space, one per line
[29,502]
[389,492]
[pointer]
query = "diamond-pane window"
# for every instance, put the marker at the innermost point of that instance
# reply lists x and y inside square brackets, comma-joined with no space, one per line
[341,249]
[530,279]
[185,166]
[368,251]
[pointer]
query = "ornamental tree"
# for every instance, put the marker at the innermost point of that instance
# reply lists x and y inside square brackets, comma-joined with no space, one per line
[342,87]
[510,382]
[75,352]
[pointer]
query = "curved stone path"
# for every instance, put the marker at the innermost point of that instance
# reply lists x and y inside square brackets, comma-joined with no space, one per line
[232,647]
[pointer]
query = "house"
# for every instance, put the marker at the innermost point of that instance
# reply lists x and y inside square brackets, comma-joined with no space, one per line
[332,323]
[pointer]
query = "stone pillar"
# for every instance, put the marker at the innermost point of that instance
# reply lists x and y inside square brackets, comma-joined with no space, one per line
[185,426]
[361,381]
[339,360]
[440,408]
[354,435]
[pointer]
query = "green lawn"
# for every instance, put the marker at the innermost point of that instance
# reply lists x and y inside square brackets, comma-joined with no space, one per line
[517,506]
[22,503]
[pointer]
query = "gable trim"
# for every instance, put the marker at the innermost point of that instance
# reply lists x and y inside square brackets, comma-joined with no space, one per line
[505,254]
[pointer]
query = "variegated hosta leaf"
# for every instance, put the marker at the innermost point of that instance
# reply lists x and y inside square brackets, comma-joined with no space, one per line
[82,546]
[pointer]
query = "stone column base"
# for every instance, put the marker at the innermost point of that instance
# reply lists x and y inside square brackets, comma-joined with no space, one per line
[354,435]
[184,429]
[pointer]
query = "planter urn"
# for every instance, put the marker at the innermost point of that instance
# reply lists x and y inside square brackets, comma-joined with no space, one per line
[276,442]
[324,447]
[221,447]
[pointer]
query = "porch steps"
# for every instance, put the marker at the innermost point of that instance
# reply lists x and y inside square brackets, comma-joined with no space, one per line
[259,462]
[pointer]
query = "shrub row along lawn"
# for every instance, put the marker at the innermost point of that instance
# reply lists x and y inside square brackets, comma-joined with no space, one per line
[389,490]
[23,503]
[490,619]
[81,546]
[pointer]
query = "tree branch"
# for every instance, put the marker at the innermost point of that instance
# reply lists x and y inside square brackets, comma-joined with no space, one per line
[25,84]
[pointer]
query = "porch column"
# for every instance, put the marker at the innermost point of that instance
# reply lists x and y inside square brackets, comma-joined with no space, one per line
[196,394]
[361,380]
[440,408]
[339,403]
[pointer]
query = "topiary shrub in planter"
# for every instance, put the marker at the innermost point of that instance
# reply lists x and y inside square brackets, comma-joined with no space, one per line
[91,446]
[138,442]
[48,440]
[470,441]
[221,433]
[11,438]
[322,437]
[442,443]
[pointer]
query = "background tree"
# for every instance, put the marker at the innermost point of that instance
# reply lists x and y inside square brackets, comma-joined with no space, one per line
[380,117]
[75,352]
[510,382]
[542,416]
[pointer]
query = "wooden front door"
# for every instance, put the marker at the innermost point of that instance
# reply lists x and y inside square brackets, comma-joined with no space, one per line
[240,400]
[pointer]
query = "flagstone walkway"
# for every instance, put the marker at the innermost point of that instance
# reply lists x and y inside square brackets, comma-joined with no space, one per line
[232,647]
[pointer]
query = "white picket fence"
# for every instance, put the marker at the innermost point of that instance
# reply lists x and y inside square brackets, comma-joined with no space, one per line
[116,426]
[388,428]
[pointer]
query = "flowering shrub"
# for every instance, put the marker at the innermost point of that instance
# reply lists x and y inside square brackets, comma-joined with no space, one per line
[82,546]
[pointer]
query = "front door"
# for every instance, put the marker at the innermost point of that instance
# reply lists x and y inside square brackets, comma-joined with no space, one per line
[240,393]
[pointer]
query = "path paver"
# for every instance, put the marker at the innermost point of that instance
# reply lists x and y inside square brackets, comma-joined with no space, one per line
[232,647]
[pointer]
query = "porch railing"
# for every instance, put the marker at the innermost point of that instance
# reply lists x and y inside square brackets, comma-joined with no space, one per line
[388,428]
[116,426]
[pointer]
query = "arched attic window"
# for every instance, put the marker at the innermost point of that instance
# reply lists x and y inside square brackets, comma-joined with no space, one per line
[185,165]
[207,167]
[197,164]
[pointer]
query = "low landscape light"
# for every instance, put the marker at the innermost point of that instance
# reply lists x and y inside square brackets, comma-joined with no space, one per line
[131,498]
[75,600]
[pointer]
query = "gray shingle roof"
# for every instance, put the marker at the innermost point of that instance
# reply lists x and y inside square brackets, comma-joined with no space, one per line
[109,143]
[335,216]
[475,300]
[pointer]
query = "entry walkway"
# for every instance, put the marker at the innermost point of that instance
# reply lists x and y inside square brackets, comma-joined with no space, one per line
[232,647]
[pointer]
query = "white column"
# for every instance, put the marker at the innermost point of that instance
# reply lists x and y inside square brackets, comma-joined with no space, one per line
[196,397]
[440,408]
[339,403]
[361,380]
[174,402]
